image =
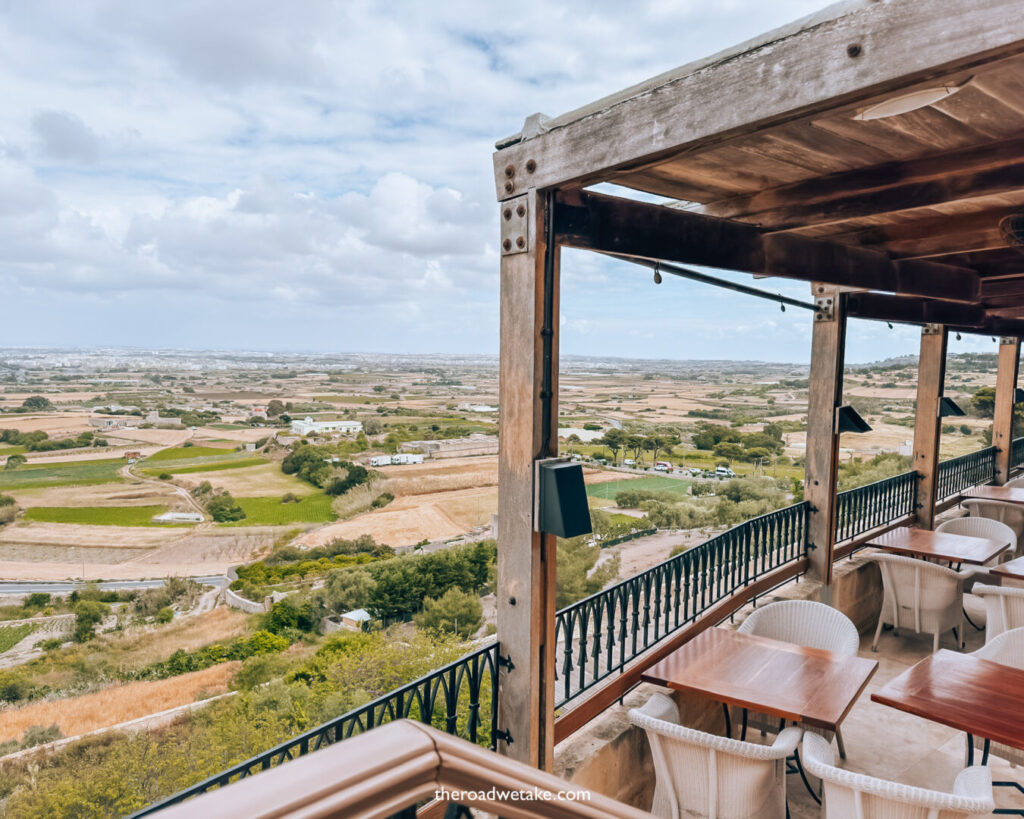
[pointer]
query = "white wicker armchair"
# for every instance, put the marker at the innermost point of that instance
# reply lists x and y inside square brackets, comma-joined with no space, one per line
[923,597]
[805,623]
[1005,649]
[849,795]
[987,528]
[703,775]
[1011,514]
[1004,609]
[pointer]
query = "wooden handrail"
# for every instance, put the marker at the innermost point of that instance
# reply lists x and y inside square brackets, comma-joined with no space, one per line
[393,767]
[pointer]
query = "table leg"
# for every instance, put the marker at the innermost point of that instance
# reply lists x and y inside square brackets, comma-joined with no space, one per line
[743,732]
[728,721]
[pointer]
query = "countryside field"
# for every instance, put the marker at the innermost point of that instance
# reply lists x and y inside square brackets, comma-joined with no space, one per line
[272,512]
[10,636]
[651,483]
[68,473]
[99,515]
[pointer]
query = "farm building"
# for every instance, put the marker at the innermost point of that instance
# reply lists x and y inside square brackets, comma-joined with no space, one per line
[475,444]
[114,421]
[158,420]
[132,455]
[310,427]
[380,460]
[396,460]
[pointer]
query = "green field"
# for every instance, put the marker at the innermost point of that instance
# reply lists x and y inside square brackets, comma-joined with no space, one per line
[68,473]
[653,483]
[188,453]
[216,466]
[12,635]
[99,515]
[228,426]
[10,450]
[271,512]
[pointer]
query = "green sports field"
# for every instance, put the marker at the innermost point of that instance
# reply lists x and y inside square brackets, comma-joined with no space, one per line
[216,466]
[99,515]
[271,512]
[652,483]
[66,473]
[188,453]
[184,460]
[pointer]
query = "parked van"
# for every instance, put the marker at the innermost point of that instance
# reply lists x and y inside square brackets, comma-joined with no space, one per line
[724,472]
[628,462]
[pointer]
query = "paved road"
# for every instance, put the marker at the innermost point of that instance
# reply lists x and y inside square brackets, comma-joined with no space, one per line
[28,586]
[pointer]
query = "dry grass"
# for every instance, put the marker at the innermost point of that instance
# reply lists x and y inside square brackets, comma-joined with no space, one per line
[119,703]
[263,481]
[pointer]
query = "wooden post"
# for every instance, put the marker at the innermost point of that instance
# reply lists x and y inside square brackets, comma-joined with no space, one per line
[828,343]
[528,389]
[931,376]
[1002,420]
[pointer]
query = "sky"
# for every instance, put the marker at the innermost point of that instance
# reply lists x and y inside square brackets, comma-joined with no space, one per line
[316,176]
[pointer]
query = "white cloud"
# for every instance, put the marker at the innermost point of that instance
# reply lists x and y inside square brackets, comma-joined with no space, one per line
[208,164]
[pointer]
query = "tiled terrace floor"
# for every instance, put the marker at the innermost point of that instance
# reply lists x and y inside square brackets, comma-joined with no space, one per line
[891,744]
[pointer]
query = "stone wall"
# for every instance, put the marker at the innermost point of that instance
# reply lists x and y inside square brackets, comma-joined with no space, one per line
[613,758]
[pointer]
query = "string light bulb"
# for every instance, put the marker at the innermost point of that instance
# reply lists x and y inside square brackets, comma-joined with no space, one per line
[958,337]
[657,274]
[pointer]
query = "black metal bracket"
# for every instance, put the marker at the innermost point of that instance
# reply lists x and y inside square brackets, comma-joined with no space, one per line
[503,736]
[506,662]
[812,546]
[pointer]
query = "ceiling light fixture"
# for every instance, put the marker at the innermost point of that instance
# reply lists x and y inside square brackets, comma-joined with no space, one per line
[894,106]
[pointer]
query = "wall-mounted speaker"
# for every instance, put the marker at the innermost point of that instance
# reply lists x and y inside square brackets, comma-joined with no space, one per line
[561,499]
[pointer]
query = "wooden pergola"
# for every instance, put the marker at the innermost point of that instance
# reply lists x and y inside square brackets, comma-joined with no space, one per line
[874,150]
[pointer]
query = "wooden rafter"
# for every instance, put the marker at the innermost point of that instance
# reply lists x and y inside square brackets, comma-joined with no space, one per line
[615,225]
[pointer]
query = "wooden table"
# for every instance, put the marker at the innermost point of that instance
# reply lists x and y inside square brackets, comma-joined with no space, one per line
[795,683]
[938,545]
[1007,494]
[1013,569]
[979,697]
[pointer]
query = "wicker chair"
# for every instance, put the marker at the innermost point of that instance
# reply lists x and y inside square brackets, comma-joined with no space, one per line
[704,775]
[987,528]
[924,597]
[1011,514]
[1005,649]
[806,623]
[1004,609]
[849,795]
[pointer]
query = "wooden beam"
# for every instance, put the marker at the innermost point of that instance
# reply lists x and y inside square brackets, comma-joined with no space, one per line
[994,288]
[526,559]
[910,310]
[1002,421]
[612,224]
[861,52]
[985,170]
[931,375]
[927,236]
[828,342]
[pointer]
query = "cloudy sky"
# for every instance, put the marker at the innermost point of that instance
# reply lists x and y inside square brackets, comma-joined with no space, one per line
[249,174]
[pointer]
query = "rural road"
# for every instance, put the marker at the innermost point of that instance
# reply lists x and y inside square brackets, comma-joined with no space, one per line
[29,586]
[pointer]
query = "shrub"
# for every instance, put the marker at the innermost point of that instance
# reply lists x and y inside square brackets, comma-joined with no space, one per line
[382,500]
[88,614]
[165,615]
[165,476]
[37,600]
[182,662]
[456,611]
[290,497]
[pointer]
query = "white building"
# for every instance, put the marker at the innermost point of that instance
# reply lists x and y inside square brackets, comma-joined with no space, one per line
[310,427]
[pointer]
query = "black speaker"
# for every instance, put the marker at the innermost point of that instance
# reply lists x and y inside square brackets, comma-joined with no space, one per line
[562,500]
[849,420]
[948,408]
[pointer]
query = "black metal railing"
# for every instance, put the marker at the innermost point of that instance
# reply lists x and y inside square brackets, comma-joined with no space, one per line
[460,698]
[597,636]
[958,474]
[1017,452]
[864,508]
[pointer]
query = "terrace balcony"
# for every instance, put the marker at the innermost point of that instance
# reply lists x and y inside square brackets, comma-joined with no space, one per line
[872,150]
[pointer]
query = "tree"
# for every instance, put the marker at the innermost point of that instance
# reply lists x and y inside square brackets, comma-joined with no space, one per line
[728,450]
[615,440]
[373,426]
[88,614]
[636,445]
[576,572]
[14,461]
[36,403]
[345,590]
[274,408]
[984,401]
[456,611]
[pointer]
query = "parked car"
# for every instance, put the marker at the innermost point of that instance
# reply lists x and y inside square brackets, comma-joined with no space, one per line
[628,462]
[724,472]
[662,466]
[696,472]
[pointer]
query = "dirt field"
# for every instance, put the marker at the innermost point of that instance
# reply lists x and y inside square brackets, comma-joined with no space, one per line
[104,494]
[55,551]
[118,703]
[54,424]
[436,500]
[265,480]
[240,435]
